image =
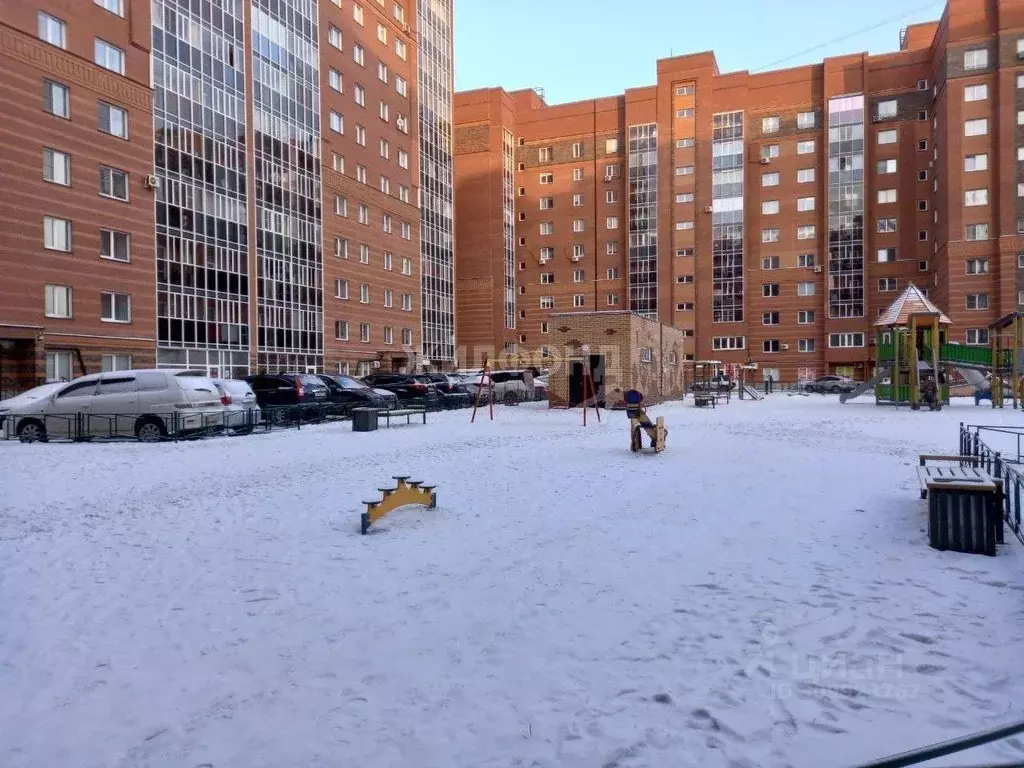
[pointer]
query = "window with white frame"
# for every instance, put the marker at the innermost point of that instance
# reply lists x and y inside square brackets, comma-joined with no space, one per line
[805,317]
[117,8]
[770,179]
[364,214]
[115,362]
[547,228]
[401,86]
[611,146]
[56,99]
[577,225]
[805,289]
[887,224]
[977,127]
[886,108]
[364,333]
[975,59]
[547,302]
[771,346]
[976,163]
[56,234]
[805,175]
[388,297]
[547,178]
[112,120]
[885,196]
[364,253]
[977,336]
[407,336]
[770,262]
[805,232]
[805,204]
[53,30]
[976,232]
[720,343]
[336,122]
[977,301]
[407,302]
[360,135]
[544,154]
[577,149]
[547,203]
[805,120]
[382,34]
[886,255]
[579,251]
[805,260]
[340,289]
[109,56]
[612,196]
[886,166]
[684,170]
[406,266]
[56,167]
[770,124]
[684,225]
[341,330]
[401,49]
[611,222]
[976,266]
[977,92]
[334,37]
[681,197]
[115,307]
[841,340]
[360,96]
[770,318]
[577,200]
[975,197]
[887,137]
[341,248]
[886,284]
[59,301]
[115,245]
[805,147]
[769,207]
[359,55]
[770,150]
[770,235]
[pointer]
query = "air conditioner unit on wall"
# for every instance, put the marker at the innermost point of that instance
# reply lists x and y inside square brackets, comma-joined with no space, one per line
[783,346]
[765,160]
[819,268]
[709,209]
[152,182]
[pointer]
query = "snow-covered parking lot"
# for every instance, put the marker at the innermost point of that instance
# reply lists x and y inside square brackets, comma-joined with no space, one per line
[761,594]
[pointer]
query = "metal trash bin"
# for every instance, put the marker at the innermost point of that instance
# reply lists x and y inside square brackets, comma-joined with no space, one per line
[364,419]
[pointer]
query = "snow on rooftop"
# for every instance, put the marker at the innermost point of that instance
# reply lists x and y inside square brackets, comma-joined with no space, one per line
[911,302]
[761,594]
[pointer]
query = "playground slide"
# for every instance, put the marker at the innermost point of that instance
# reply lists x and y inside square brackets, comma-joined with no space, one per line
[752,393]
[867,385]
[975,378]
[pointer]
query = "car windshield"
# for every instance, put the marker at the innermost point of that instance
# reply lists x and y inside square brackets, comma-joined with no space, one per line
[347,382]
[235,387]
[36,393]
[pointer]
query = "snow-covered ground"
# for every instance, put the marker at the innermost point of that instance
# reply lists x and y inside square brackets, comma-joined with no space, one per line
[761,594]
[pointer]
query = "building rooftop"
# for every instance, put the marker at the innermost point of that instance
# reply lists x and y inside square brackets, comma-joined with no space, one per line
[911,302]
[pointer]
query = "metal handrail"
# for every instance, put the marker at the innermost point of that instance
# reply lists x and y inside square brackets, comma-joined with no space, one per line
[944,748]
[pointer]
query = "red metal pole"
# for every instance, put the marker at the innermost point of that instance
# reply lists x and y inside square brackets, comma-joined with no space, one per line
[479,391]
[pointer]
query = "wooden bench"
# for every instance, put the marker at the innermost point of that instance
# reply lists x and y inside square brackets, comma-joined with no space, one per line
[407,412]
[704,399]
[965,504]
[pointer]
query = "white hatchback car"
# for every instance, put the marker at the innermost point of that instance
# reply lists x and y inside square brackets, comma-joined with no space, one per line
[147,404]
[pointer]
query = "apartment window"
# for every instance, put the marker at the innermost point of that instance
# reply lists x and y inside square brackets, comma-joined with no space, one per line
[547,302]
[109,56]
[1020,189]
[334,80]
[547,253]
[975,197]
[403,193]
[334,37]
[805,260]
[407,336]
[805,147]
[771,346]
[364,253]
[360,96]
[770,124]
[115,307]
[407,302]
[805,204]
[577,200]
[886,166]
[612,196]
[887,137]
[385,222]
[887,108]
[837,340]
[684,306]
[341,206]
[886,196]
[719,343]
[977,336]
[577,149]
[769,235]
[683,225]
[977,266]
[613,273]
[336,122]
[770,318]
[977,127]
[684,170]
[886,255]
[886,225]
[805,289]
[685,112]
[388,297]
[769,151]
[976,163]
[805,120]
[1020,78]
[683,197]
[357,13]
[805,316]
[361,174]
[922,175]
[114,245]
[388,259]
[613,299]
[685,90]
[406,266]
[546,278]
[112,120]
[114,362]
[116,7]
[360,135]
[56,234]
[547,178]
[612,222]
[59,300]
[684,279]
[922,205]
[770,262]
[976,92]
[340,248]
[611,248]
[547,228]
[611,146]
[922,145]
[341,330]
[364,293]
[401,49]
[805,232]
[977,301]
[382,34]
[364,215]
[52,30]
[578,251]
[805,175]
[544,155]
[389,334]
[805,345]
[769,207]
[364,333]
[385,148]
[610,172]
[56,167]
[385,185]
[359,55]
[546,203]
[684,143]
[56,99]
[401,87]
[770,179]
[577,275]
[975,59]
[886,284]
[770,289]
[577,225]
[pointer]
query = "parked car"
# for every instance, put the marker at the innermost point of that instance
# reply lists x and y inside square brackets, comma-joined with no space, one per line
[242,413]
[150,404]
[11,405]
[473,383]
[446,384]
[405,386]
[541,388]
[302,390]
[831,385]
[720,383]
[346,390]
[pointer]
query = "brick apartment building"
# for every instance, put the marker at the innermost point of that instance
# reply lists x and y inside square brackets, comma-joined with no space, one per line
[771,217]
[226,185]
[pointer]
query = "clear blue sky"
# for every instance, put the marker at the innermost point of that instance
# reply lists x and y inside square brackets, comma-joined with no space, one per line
[581,49]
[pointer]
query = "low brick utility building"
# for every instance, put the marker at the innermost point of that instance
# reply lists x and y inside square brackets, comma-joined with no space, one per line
[624,351]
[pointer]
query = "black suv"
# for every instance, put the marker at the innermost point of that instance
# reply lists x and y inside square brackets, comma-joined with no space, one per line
[351,392]
[406,386]
[302,390]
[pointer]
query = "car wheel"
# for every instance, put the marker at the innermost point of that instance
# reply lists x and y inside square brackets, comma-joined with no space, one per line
[836,389]
[150,429]
[31,431]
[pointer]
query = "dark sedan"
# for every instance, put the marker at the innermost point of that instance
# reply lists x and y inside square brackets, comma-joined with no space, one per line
[346,390]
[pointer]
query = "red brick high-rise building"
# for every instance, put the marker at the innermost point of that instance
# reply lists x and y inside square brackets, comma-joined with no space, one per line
[770,216]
